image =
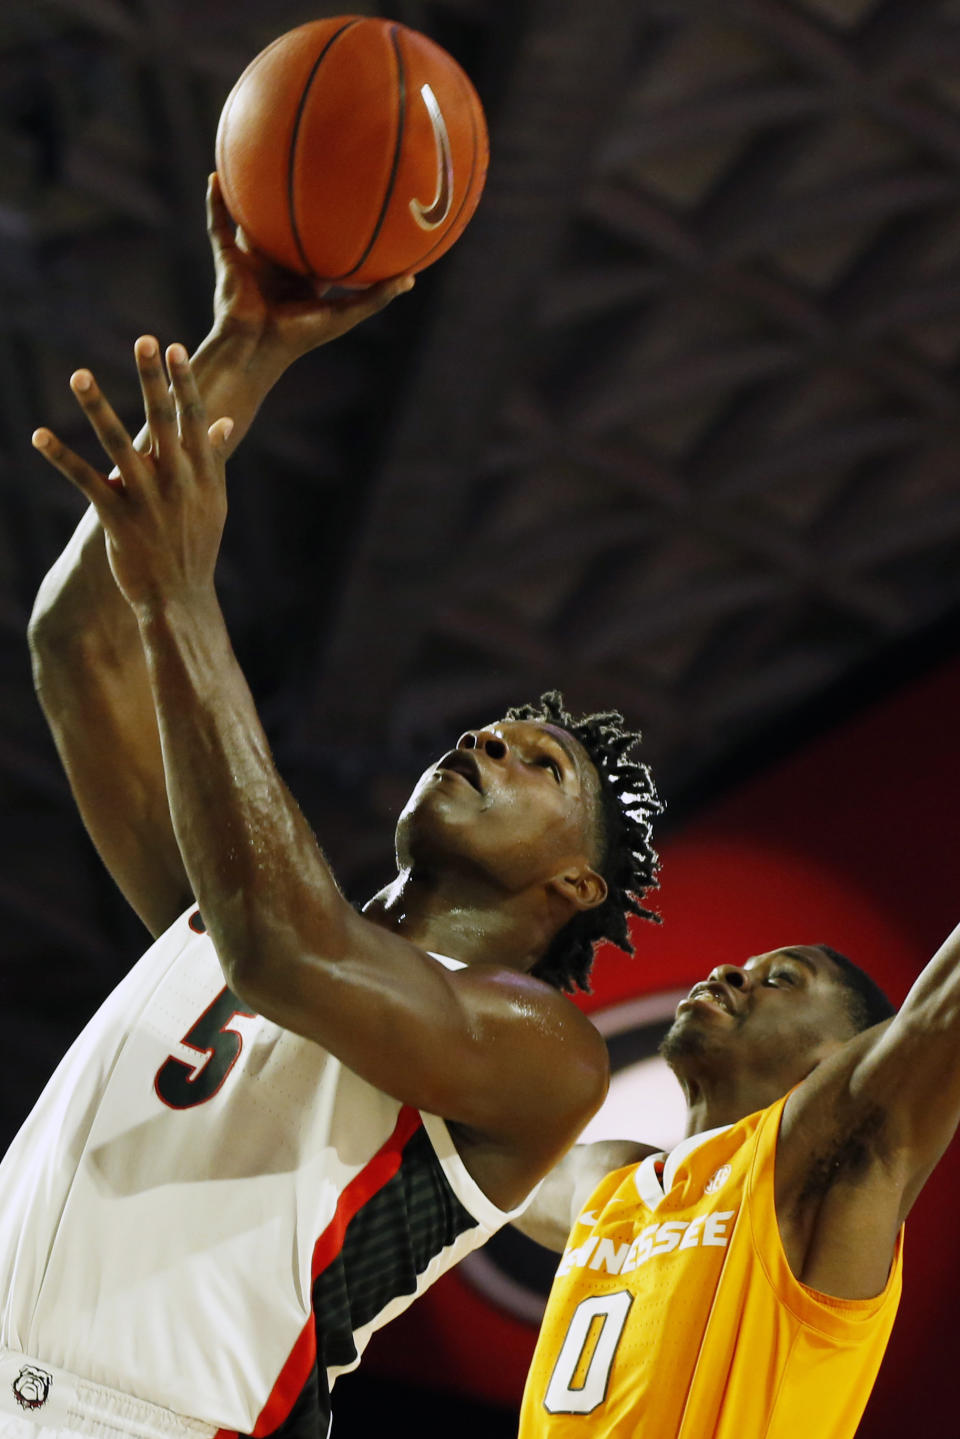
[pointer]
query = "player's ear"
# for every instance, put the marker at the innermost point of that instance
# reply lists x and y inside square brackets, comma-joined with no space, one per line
[583,888]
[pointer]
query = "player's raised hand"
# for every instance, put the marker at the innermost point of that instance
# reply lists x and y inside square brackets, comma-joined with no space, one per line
[274,306]
[164,515]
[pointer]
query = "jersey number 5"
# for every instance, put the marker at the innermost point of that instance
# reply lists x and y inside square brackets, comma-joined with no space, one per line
[581,1374]
[182,1085]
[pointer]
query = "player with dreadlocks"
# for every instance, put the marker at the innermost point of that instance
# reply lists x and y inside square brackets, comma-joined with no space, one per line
[628,804]
[289,1118]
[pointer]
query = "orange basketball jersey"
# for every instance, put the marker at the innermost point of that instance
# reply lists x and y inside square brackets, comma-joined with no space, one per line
[674,1311]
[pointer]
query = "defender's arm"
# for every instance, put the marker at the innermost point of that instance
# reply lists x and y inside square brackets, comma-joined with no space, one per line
[861,1135]
[554,1209]
[911,1071]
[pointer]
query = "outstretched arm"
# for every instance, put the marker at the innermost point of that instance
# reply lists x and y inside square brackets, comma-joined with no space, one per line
[554,1209]
[462,1045]
[87,655]
[91,681]
[864,1131]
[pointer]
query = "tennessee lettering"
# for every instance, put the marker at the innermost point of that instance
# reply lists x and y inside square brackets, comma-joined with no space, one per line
[620,1258]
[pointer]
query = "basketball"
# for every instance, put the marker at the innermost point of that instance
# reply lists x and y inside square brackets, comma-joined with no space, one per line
[351,150]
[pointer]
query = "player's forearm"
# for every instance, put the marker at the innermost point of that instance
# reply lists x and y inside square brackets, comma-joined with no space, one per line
[936,990]
[253,862]
[79,616]
[907,1069]
[914,1066]
[235,370]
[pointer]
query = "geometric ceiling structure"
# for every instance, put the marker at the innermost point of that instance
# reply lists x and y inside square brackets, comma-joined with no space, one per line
[674,426]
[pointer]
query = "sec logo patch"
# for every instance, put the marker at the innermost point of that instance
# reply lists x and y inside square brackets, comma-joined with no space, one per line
[717,1180]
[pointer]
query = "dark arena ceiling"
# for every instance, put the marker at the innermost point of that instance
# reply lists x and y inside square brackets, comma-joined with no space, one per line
[674,426]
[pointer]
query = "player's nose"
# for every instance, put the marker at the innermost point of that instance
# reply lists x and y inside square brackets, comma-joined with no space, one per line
[483,739]
[732,975]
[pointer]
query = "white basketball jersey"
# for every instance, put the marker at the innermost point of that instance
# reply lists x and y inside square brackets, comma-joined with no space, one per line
[211,1213]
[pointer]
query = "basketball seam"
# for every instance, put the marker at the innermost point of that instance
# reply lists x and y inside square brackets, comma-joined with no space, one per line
[398,148]
[291,202]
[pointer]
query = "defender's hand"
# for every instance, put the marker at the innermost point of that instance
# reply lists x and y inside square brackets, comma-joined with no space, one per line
[274,306]
[164,516]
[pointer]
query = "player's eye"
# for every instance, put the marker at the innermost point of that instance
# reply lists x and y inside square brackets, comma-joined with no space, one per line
[781,976]
[547,762]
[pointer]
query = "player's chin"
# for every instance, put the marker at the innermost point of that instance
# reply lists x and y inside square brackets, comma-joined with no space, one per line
[433,804]
[681,1041]
[435,822]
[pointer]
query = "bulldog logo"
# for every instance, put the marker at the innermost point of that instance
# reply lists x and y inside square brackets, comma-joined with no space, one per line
[31,1387]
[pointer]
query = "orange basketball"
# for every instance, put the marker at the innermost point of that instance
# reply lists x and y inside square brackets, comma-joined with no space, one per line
[352,149]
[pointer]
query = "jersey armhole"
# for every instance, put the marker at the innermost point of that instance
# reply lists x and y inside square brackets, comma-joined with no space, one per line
[464,1186]
[839,1319]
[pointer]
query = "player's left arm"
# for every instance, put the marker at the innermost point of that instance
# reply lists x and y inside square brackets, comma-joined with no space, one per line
[478,1046]
[862,1134]
[911,1072]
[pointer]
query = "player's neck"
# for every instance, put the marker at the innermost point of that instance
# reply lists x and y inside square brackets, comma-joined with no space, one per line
[475,924]
[716,1100]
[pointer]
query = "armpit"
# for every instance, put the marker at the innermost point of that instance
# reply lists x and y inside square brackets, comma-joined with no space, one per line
[847,1157]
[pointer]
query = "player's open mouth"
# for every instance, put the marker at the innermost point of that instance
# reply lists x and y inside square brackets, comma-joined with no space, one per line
[713,993]
[462,762]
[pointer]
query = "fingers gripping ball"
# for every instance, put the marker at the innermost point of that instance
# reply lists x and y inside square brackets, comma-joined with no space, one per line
[352,149]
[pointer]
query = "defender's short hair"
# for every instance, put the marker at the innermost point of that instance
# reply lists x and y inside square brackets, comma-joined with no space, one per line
[628,862]
[866,1002]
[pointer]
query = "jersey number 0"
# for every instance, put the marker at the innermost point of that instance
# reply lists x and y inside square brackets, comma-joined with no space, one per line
[581,1374]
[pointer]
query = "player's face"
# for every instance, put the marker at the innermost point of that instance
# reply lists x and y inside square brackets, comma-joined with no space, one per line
[516,800]
[776,1012]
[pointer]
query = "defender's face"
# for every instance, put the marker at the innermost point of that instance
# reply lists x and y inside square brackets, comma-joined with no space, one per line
[516,800]
[777,1010]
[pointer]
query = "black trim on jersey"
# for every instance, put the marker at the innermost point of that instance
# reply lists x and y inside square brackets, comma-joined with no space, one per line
[310,1416]
[387,1245]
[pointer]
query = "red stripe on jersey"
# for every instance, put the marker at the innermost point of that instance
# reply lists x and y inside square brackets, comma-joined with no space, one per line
[377,1172]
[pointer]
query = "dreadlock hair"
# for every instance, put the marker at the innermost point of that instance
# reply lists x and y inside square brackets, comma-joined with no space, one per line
[628,862]
[866,1003]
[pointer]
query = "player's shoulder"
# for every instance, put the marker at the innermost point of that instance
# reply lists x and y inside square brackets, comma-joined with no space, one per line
[523,1010]
[529,996]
